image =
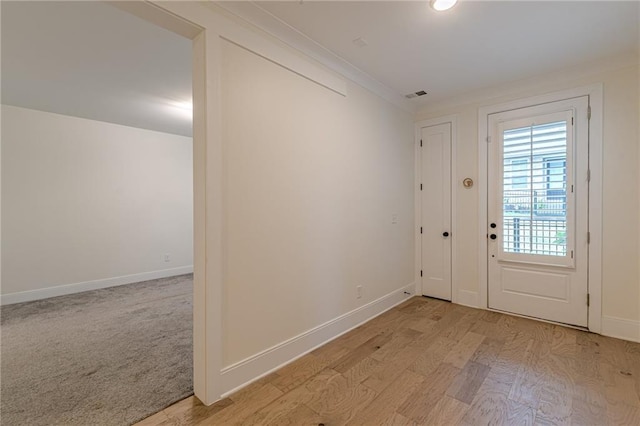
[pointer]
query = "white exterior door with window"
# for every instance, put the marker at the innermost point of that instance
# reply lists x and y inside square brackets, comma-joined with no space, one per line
[537,233]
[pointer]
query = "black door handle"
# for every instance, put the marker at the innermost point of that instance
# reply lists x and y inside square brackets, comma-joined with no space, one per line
[493,236]
[445,234]
[493,225]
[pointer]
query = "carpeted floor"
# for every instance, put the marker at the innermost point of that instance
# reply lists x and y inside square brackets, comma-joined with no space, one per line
[102,357]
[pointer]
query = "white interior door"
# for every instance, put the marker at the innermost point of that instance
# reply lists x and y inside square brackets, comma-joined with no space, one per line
[537,233]
[436,211]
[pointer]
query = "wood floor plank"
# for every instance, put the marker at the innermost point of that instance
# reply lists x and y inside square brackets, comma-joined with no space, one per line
[340,400]
[362,370]
[247,392]
[586,413]
[422,324]
[492,406]
[417,306]
[490,316]
[387,371]
[235,414]
[190,411]
[419,405]
[448,411]
[288,409]
[299,371]
[428,362]
[285,404]
[301,415]
[488,351]
[330,352]
[622,414]
[464,350]
[510,359]
[554,407]
[465,386]
[387,402]
[158,419]
[396,344]
[564,341]
[396,419]
[459,329]
[619,386]
[361,352]
[530,380]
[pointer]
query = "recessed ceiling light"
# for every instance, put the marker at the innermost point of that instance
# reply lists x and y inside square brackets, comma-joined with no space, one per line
[441,5]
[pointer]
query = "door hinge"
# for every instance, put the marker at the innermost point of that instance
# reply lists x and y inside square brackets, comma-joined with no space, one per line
[572,254]
[571,188]
[420,272]
[589,112]
[588,237]
[488,139]
[572,121]
[589,175]
[420,187]
[588,299]
[420,142]
[421,229]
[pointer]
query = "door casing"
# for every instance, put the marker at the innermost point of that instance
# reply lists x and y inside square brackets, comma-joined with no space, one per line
[595,93]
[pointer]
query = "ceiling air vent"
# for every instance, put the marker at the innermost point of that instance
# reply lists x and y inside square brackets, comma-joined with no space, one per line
[416,94]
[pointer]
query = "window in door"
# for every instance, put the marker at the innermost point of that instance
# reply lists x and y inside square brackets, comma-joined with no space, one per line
[534,189]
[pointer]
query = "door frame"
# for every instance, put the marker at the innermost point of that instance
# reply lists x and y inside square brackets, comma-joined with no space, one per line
[207,201]
[595,93]
[453,121]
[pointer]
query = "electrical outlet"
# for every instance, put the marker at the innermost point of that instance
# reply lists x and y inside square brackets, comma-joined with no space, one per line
[358,292]
[167,258]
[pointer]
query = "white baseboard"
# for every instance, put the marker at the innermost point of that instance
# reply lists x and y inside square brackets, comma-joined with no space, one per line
[468,298]
[243,373]
[621,328]
[45,293]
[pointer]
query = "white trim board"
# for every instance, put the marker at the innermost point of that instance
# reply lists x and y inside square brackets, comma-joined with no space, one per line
[243,373]
[621,328]
[62,290]
[595,93]
[453,120]
[468,298]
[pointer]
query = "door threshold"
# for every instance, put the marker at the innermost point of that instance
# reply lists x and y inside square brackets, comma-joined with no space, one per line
[436,298]
[576,327]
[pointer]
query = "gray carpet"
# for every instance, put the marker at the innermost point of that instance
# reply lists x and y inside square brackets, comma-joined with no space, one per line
[102,357]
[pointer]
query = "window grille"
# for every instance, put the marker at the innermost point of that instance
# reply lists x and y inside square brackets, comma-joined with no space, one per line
[535,189]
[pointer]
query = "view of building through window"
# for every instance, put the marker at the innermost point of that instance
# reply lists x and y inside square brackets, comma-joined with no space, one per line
[535,189]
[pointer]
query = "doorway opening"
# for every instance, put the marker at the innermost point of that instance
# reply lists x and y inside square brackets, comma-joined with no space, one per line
[165,258]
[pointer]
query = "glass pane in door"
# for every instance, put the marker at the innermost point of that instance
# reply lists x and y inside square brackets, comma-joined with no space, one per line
[534,189]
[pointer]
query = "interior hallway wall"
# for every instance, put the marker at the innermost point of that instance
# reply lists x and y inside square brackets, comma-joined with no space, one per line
[313,181]
[88,204]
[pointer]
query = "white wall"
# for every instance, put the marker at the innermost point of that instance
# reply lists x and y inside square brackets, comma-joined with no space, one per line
[621,179]
[312,181]
[87,204]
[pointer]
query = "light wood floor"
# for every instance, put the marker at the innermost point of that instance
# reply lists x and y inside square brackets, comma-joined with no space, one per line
[432,362]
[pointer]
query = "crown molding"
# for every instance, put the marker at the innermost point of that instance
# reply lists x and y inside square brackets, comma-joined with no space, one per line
[253,14]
